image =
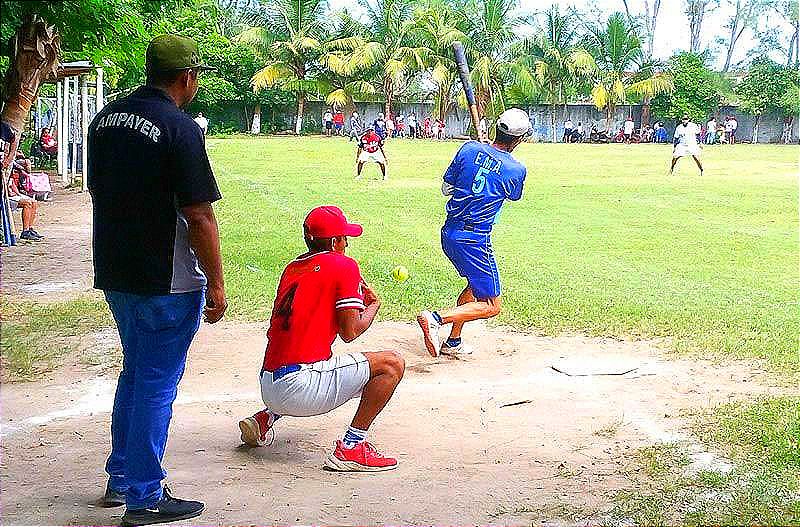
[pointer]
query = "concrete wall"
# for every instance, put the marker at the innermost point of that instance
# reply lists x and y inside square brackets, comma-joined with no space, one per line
[770,126]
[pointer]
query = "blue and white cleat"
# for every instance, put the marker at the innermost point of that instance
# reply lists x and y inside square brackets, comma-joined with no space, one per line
[455,351]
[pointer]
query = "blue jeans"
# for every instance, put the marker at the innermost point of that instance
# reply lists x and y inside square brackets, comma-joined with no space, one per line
[156,332]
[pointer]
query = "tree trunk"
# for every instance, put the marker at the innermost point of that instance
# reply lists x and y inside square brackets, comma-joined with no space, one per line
[255,126]
[651,29]
[388,88]
[301,104]
[695,12]
[553,121]
[34,52]
[744,14]
[796,45]
[609,113]
[650,21]
[645,112]
[729,53]
[755,129]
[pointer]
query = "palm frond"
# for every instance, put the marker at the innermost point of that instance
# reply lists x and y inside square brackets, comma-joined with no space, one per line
[661,83]
[599,96]
[271,75]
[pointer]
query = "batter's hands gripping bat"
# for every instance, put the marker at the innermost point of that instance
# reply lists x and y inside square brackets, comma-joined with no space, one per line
[463,72]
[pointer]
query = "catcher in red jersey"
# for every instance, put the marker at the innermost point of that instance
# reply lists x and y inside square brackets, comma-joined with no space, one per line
[321,294]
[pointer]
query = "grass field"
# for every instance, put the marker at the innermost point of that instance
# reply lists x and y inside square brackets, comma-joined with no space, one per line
[602,242]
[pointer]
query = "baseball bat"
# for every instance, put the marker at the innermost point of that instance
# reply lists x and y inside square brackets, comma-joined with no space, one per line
[463,73]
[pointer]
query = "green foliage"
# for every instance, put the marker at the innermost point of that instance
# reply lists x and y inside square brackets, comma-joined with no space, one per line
[493,27]
[288,37]
[767,86]
[696,90]
[225,96]
[789,103]
[554,62]
[114,33]
[617,52]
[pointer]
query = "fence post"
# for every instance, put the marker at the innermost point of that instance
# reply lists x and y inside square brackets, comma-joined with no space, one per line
[84,128]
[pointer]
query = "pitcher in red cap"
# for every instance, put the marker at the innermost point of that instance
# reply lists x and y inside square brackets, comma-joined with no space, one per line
[321,295]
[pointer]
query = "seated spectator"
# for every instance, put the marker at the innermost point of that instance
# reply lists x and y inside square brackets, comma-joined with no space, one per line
[721,139]
[46,146]
[33,184]
[23,162]
[48,143]
[29,209]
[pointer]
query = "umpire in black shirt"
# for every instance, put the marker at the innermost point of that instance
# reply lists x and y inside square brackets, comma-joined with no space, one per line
[157,258]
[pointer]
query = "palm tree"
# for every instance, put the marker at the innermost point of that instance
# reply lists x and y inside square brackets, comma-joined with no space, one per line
[621,70]
[290,39]
[384,44]
[436,26]
[492,28]
[345,85]
[556,61]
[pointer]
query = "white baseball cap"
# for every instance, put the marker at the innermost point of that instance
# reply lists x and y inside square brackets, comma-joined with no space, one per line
[514,122]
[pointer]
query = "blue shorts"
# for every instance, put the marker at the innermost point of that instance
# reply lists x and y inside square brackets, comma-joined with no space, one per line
[472,255]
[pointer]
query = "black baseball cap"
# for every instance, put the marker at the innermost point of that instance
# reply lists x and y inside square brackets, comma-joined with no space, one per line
[173,53]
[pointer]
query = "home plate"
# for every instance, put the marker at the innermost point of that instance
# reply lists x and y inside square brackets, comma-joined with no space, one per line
[588,366]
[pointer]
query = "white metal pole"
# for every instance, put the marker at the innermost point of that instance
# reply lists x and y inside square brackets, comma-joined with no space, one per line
[99,92]
[38,123]
[84,128]
[73,131]
[59,122]
[63,139]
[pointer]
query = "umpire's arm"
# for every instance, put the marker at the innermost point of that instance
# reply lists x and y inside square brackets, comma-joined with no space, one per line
[204,239]
[195,190]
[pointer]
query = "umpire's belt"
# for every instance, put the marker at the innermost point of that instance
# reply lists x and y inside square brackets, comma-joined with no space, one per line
[284,370]
[465,226]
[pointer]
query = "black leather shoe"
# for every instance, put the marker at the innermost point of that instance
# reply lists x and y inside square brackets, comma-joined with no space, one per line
[112,498]
[169,509]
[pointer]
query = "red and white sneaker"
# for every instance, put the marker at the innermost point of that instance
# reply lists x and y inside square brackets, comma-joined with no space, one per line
[361,458]
[254,429]
[430,332]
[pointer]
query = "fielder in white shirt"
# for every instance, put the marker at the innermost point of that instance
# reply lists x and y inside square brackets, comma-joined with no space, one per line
[686,143]
[202,122]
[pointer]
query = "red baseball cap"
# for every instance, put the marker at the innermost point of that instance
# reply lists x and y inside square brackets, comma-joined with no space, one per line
[328,221]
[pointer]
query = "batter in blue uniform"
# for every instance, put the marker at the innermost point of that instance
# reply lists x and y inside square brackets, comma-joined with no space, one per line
[479,180]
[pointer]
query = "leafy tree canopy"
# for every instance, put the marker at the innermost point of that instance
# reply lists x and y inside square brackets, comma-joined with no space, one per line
[696,92]
[768,86]
[114,33]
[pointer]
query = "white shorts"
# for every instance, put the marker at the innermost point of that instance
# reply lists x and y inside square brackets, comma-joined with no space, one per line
[682,150]
[316,388]
[376,156]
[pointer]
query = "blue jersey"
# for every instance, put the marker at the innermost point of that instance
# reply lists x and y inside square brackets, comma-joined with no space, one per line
[482,178]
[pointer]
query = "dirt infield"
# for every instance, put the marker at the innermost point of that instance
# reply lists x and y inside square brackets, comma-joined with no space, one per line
[529,429]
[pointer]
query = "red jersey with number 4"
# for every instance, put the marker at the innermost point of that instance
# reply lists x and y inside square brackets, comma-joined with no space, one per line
[303,324]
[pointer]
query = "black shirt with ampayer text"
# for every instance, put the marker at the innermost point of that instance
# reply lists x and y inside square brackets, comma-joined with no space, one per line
[147,159]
